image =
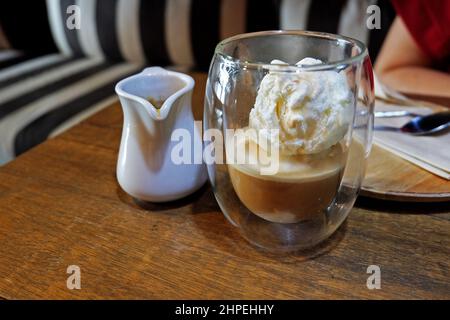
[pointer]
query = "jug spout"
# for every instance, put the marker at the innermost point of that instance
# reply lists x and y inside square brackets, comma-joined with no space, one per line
[156,89]
[155,103]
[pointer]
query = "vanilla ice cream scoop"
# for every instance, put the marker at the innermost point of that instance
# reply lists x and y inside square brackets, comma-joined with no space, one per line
[311,109]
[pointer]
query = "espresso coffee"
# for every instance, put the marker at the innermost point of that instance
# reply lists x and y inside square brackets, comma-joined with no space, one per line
[303,187]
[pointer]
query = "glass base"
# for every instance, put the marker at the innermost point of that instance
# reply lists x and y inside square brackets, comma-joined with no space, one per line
[287,237]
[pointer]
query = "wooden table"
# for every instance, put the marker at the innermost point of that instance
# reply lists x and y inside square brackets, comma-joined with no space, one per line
[60,205]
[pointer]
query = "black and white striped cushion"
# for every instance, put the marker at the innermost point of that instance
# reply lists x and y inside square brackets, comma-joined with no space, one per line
[176,32]
[185,32]
[45,94]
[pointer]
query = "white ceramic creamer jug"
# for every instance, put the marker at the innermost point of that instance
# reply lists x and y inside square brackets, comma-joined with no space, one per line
[145,168]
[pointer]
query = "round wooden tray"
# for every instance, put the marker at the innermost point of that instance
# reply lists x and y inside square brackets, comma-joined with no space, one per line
[392,178]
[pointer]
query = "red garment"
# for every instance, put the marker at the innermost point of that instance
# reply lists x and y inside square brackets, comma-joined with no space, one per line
[428,21]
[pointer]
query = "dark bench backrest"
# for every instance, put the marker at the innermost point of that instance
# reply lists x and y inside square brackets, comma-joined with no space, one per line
[177,32]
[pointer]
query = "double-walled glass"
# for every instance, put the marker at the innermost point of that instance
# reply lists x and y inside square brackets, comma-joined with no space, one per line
[297,211]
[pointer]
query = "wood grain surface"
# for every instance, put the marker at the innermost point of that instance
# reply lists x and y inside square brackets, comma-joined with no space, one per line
[60,205]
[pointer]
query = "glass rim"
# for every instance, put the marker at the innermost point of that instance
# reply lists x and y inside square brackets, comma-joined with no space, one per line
[289,67]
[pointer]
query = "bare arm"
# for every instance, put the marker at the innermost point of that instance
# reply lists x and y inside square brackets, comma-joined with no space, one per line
[404,67]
